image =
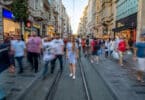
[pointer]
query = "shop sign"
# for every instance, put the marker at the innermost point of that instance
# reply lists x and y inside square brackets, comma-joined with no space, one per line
[8,14]
[36,26]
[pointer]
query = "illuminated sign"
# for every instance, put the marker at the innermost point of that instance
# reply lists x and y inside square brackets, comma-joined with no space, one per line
[8,14]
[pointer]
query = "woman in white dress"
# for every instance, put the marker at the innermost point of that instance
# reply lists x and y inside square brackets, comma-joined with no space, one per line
[72,55]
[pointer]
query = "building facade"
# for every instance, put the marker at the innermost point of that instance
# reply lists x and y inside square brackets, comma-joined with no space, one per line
[140,19]
[101,16]
[126,18]
[45,17]
[82,28]
[91,17]
[108,12]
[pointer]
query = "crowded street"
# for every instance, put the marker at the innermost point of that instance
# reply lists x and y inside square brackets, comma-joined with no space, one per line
[72,50]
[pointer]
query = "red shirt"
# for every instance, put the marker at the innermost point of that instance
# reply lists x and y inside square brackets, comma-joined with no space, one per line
[83,43]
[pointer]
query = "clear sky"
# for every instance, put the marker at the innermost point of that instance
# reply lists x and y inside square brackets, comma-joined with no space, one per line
[75,9]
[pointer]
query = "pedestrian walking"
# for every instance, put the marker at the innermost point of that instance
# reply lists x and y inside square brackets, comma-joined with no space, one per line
[112,46]
[19,52]
[34,47]
[122,47]
[130,43]
[87,46]
[97,49]
[59,51]
[72,55]
[93,53]
[139,54]
[11,54]
[107,47]
[83,43]
[48,54]
[78,41]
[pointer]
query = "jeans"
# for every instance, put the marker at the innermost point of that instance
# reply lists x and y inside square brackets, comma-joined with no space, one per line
[60,58]
[34,60]
[19,60]
[45,70]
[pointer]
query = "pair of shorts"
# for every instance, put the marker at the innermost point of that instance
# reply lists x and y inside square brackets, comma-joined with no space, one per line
[121,54]
[141,64]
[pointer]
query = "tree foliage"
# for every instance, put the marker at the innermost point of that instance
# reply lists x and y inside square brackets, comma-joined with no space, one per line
[20,9]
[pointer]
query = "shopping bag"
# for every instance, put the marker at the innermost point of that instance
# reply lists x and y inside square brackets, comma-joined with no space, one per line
[115,55]
[128,52]
[48,57]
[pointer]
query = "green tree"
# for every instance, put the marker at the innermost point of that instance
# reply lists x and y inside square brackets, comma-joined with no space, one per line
[20,11]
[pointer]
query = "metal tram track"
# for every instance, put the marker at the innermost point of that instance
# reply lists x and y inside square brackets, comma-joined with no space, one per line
[85,82]
[51,93]
[98,73]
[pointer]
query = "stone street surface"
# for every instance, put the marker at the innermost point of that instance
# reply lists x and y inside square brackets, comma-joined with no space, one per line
[105,81]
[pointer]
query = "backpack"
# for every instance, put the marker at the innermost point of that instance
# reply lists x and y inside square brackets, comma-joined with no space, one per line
[122,46]
[87,42]
[77,41]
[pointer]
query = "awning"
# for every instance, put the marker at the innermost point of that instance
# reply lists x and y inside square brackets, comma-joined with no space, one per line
[118,29]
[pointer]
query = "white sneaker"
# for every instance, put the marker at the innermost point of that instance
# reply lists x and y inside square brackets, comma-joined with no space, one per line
[70,75]
[74,77]
[92,61]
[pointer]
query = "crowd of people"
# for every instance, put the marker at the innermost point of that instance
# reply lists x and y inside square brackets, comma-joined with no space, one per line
[49,49]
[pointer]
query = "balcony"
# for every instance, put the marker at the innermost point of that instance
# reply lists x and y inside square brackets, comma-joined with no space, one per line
[37,14]
[6,2]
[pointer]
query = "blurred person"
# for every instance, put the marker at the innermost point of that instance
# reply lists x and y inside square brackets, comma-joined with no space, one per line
[131,43]
[11,53]
[107,47]
[59,51]
[19,52]
[97,49]
[87,46]
[34,47]
[78,41]
[112,46]
[48,54]
[93,43]
[139,54]
[122,46]
[65,40]
[72,55]
[83,42]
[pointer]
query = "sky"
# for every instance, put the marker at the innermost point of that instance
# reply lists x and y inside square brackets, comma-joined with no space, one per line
[75,10]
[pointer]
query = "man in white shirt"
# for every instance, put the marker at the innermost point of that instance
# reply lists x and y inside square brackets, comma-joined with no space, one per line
[59,52]
[19,52]
[48,54]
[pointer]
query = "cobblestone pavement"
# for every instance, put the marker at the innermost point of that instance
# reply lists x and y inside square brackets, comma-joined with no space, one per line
[106,81]
[121,80]
[16,84]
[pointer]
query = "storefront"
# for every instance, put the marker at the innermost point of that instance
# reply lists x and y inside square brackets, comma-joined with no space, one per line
[10,26]
[127,27]
[50,30]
